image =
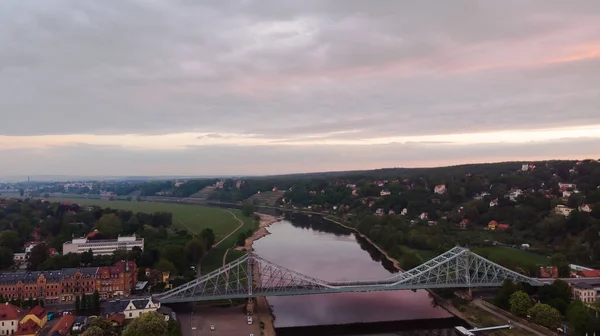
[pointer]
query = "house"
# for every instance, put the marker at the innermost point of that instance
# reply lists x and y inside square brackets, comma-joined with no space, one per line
[133,308]
[92,234]
[424,216]
[33,322]
[116,319]
[514,194]
[63,326]
[584,292]
[30,245]
[20,257]
[566,186]
[9,318]
[566,194]
[404,212]
[585,208]
[391,212]
[379,212]
[549,272]
[562,210]
[493,203]
[493,225]
[432,223]
[463,223]
[439,189]
[524,167]
[385,192]
[588,274]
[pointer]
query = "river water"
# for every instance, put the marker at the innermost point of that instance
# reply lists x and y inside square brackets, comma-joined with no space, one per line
[326,251]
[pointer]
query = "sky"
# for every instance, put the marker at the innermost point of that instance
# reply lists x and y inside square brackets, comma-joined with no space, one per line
[234,87]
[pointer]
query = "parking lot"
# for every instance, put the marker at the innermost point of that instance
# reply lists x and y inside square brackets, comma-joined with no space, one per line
[227,322]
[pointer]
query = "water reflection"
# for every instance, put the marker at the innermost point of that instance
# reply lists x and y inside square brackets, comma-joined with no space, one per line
[329,252]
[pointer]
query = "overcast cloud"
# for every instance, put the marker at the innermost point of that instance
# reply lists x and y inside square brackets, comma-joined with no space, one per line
[250,87]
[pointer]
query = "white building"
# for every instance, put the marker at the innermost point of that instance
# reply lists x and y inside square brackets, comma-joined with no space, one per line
[563,210]
[136,307]
[9,318]
[30,245]
[20,257]
[385,192]
[525,167]
[440,189]
[103,247]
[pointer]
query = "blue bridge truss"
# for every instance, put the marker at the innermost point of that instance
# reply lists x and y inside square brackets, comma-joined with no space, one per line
[252,276]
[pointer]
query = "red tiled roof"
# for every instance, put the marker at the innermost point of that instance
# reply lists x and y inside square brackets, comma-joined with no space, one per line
[31,243]
[116,317]
[64,324]
[92,234]
[10,312]
[28,328]
[502,226]
[38,311]
[549,272]
[589,274]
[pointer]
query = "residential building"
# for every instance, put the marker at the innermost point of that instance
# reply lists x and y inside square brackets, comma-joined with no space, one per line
[30,245]
[379,212]
[585,208]
[493,203]
[423,216]
[116,280]
[404,212]
[463,223]
[584,292]
[549,272]
[33,322]
[588,274]
[9,318]
[133,308]
[385,192]
[104,246]
[566,186]
[20,257]
[65,285]
[439,189]
[495,226]
[524,167]
[63,326]
[562,210]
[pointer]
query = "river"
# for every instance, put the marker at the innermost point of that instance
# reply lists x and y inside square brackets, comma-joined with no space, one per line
[326,251]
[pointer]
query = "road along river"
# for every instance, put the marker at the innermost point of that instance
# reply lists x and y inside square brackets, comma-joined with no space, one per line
[324,250]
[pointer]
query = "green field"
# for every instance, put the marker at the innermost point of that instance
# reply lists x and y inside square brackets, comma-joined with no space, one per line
[497,253]
[193,218]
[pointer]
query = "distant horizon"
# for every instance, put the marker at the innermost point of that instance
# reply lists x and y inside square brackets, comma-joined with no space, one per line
[66,178]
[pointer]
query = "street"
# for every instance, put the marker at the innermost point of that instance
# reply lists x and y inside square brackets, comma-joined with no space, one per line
[232,321]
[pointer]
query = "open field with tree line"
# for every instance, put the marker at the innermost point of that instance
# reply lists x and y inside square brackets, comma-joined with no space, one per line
[193,218]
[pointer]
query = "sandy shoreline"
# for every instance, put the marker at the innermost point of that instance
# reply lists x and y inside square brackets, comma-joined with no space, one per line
[264,222]
[263,310]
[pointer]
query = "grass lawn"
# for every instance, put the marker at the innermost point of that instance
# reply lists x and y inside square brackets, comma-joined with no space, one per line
[193,218]
[506,253]
[214,259]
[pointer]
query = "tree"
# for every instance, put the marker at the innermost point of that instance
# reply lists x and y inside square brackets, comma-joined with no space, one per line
[502,298]
[100,327]
[10,239]
[248,209]
[77,303]
[579,318]
[164,265]
[241,240]
[545,315]
[150,323]
[38,255]
[6,257]
[209,237]
[87,258]
[110,225]
[195,250]
[96,301]
[84,302]
[520,303]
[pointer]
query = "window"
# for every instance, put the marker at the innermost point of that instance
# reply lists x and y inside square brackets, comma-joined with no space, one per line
[130,314]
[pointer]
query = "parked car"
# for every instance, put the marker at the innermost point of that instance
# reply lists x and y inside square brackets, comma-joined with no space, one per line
[212,327]
[249,319]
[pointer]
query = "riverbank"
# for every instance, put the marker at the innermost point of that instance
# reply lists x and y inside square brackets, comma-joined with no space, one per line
[264,222]
[266,319]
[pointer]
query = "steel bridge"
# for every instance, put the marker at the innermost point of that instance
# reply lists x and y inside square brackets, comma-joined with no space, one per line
[252,276]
